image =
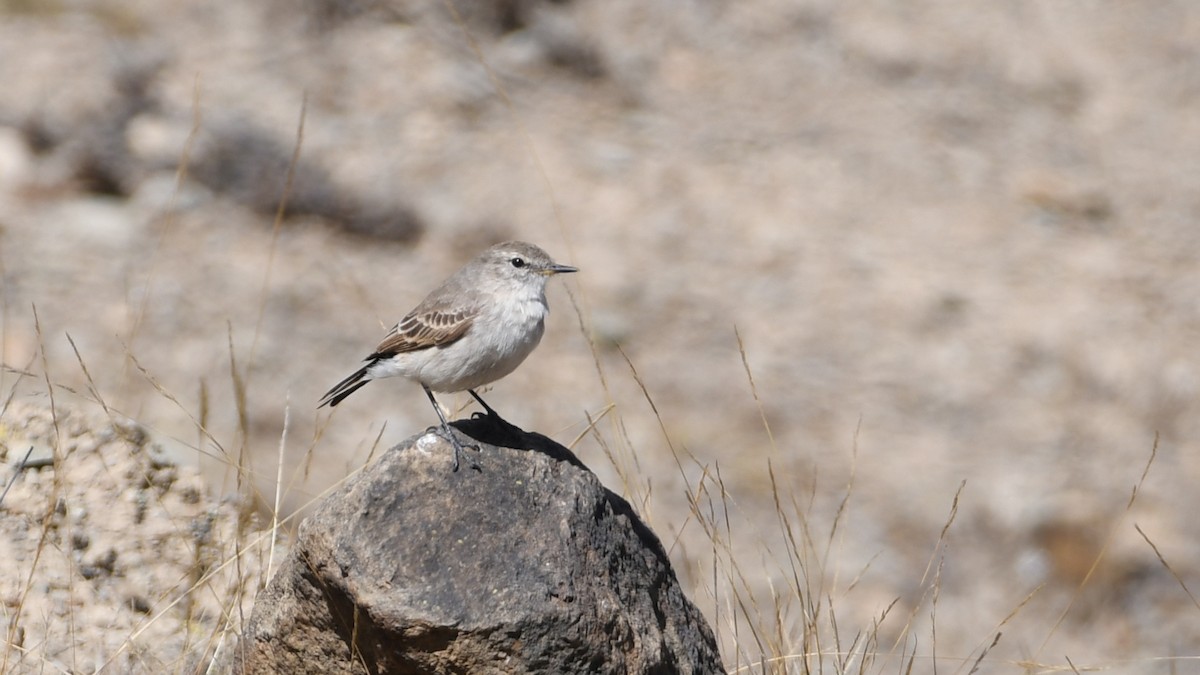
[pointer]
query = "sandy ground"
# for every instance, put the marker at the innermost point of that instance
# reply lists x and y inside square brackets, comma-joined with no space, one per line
[116,559]
[958,242]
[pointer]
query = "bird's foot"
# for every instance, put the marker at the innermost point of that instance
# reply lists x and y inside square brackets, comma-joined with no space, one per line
[459,448]
[494,417]
[489,412]
[499,422]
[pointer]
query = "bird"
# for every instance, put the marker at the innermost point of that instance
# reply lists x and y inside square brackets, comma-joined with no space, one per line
[475,328]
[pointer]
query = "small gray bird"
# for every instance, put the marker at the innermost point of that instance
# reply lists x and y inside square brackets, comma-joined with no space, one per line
[474,329]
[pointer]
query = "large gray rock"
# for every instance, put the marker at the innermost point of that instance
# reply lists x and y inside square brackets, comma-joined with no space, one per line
[526,565]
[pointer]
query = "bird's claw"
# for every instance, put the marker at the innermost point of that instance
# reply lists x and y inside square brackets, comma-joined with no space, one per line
[458,449]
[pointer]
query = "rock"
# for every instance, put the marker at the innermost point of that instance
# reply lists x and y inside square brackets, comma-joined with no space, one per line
[527,565]
[113,151]
[250,165]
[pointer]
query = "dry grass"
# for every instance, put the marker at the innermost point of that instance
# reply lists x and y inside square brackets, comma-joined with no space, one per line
[797,626]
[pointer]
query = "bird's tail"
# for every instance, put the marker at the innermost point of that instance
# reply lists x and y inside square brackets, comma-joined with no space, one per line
[346,387]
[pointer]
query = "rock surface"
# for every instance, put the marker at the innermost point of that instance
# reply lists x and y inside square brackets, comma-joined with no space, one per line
[526,565]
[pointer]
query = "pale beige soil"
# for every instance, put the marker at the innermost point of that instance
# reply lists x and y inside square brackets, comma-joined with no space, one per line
[959,242]
[116,559]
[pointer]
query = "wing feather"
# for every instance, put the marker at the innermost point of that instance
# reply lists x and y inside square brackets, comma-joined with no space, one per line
[423,330]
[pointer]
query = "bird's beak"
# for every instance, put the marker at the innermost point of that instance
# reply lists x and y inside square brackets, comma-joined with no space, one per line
[558,269]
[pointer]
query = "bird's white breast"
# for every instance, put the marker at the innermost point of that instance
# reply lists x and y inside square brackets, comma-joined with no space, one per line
[498,341]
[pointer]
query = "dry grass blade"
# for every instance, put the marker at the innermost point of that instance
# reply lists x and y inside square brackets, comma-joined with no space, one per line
[937,555]
[742,599]
[1145,472]
[796,558]
[37,324]
[243,548]
[621,458]
[182,597]
[160,242]
[841,510]
[579,315]
[912,659]
[1165,564]
[933,606]
[725,499]
[1004,622]
[16,472]
[203,412]
[21,374]
[287,419]
[983,654]
[714,537]
[591,424]
[14,624]
[243,468]
[762,412]
[657,416]
[1108,539]
[281,209]
[375,444]
[239,394]
[88,376]
[628,458]
[207,435]
[4,286]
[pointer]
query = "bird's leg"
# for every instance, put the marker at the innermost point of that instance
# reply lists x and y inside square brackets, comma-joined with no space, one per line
[494,416]
[488,408]
[458,447]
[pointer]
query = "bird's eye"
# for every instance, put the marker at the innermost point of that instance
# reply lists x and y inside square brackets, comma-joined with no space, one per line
[517,262]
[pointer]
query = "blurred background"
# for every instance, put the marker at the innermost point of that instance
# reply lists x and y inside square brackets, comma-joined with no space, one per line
[950,241]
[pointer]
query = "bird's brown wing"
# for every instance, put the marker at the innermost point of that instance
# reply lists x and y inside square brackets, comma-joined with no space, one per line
[422,330]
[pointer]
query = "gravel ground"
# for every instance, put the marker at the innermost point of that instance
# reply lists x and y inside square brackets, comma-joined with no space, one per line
[117,559]
[958,242]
